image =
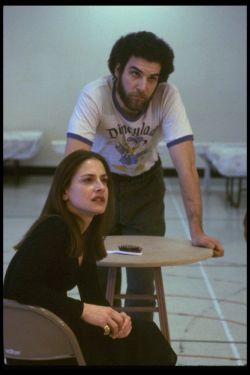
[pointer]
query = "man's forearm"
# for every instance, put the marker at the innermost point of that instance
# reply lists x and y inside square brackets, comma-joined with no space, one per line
[73,145]
[191,195]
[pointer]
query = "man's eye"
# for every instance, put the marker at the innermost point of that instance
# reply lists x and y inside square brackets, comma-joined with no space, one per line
[135,74]
[153,79]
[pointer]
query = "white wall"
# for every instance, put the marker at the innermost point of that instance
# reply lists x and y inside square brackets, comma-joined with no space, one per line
[50,52]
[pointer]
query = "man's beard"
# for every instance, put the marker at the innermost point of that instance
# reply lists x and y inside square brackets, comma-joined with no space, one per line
[135,103]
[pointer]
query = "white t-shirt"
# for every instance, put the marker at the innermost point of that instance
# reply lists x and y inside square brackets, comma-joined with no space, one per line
[128,144]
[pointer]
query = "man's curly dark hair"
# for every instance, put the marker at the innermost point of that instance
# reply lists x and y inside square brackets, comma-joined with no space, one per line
[146,45]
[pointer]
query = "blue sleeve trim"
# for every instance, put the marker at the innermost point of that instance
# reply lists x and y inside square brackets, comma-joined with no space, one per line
[180,140]
[79,138]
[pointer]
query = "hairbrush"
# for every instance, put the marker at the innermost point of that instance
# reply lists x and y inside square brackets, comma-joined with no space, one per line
[130,248]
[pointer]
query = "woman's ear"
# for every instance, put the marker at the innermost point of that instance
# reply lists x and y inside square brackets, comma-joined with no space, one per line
[65,196]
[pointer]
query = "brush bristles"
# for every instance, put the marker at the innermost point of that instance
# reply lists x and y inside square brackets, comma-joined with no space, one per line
[131,248]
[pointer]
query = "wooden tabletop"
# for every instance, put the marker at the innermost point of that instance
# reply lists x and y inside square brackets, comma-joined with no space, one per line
[156,252]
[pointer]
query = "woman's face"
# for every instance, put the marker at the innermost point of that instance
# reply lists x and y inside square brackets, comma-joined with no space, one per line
[87,194]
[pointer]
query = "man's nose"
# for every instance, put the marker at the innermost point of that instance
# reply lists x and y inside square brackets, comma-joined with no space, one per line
[142,84]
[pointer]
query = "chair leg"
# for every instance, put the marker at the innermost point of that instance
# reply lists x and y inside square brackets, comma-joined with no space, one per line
[16,169]
[233,197]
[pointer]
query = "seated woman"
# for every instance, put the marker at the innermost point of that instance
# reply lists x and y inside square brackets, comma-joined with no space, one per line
[60,251]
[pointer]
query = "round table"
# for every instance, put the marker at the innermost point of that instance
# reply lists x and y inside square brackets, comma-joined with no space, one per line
[156,252]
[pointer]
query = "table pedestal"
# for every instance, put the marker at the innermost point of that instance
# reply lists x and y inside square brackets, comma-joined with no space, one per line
[159,297]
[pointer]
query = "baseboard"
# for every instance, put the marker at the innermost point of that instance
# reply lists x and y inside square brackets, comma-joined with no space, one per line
[171,172]
[11,170]
[28,170]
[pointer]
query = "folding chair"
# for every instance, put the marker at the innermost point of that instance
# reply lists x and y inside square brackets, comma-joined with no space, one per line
[36,335]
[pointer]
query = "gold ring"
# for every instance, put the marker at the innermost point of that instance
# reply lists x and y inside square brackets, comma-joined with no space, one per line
[106,329]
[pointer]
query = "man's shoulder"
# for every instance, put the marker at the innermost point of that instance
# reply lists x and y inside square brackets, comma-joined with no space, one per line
[100,84]
[165,92]
[167,87]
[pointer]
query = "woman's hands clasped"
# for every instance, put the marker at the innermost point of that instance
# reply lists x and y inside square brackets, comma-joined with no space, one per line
[119,322]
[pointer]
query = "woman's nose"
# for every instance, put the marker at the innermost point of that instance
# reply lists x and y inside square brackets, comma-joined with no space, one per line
[99,185]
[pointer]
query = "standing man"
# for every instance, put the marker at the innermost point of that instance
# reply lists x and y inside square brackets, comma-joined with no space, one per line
[123,117]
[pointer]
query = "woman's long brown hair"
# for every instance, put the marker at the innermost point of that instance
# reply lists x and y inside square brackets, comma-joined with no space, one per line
[91,243]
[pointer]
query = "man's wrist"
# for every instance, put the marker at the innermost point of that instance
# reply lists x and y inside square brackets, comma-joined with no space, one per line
[195,233]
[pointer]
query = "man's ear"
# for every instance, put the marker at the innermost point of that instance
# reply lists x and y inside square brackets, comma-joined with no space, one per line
[117,70]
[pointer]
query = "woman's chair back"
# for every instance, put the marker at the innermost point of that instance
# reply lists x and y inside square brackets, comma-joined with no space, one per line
[37,335]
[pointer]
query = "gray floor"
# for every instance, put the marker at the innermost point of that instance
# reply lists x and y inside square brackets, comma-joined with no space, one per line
[206,301]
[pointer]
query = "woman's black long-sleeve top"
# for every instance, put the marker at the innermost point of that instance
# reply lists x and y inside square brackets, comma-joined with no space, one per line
[41,273]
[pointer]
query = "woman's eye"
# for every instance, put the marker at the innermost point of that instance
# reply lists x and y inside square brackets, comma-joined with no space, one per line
[105,181]
[87,180]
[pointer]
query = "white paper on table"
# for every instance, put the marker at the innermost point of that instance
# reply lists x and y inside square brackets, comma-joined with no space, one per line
[117,251]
